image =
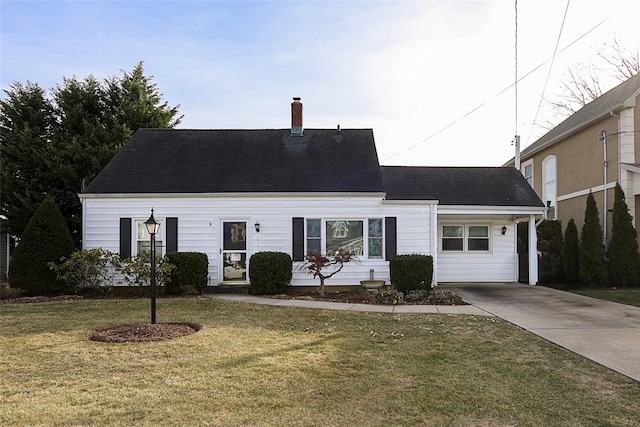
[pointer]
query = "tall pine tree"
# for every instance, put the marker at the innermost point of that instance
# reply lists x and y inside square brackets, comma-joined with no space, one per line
[55,144]
[26,122]
[592,268]
[624,260]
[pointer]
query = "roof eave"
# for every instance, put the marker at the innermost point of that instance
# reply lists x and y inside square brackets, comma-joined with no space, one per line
[490,210]
[85,196]
[526,154]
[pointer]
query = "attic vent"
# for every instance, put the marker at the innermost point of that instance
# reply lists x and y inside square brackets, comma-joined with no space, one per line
[296,117]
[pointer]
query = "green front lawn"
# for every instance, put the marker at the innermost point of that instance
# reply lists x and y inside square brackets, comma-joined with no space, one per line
[274,366]
[629,296]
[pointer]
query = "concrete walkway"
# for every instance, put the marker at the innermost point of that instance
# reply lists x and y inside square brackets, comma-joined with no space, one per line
[605,332]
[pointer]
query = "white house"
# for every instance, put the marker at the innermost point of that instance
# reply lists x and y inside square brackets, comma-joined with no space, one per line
[232,193]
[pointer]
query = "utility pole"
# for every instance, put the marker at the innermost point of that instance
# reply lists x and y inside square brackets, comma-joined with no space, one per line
[602,136]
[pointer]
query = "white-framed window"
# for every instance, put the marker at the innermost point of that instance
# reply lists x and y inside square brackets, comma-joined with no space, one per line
[453,237]
[143,238]
[465,238]
[360,237]
[527,171]
[550,184]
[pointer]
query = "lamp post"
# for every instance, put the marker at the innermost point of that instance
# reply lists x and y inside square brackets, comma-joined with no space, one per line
[152,228]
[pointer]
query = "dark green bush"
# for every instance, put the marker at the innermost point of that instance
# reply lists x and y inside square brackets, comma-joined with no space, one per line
[624,261]
[550,245]
[592,267]
[46,239]
[570,245]
[190,274]
[270,273]
[411,272]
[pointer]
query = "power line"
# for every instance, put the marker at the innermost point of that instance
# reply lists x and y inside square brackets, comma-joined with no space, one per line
[422,141]
[553,58]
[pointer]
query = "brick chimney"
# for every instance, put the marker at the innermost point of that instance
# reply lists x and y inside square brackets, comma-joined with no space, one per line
[296,117]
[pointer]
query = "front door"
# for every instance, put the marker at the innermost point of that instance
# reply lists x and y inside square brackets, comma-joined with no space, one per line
[234,251]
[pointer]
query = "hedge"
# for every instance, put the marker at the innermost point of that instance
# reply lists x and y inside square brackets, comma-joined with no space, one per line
[411,272]
[190,274]
[270,273]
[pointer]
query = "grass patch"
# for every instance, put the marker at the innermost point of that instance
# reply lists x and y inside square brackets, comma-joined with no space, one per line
[272,366]
[629,296]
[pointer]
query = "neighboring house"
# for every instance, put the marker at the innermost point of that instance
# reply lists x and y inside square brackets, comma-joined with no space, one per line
[232,193]
[569,161]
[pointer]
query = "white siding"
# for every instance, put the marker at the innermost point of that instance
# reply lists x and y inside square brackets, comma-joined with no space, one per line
[199,226]
[496,265]
[200,219]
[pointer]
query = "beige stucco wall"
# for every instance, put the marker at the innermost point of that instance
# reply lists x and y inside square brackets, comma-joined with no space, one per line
[579,162]
[636,124]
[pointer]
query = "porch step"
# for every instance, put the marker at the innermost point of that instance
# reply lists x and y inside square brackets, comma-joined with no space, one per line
[228,289]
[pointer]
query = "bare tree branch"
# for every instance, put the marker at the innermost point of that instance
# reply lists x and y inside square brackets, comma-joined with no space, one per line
[584,82]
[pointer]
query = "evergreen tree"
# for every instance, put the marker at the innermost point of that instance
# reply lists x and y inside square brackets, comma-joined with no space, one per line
[550,245]
[46,239]
[570,246]
[624,260]
[55,145]
[592,267]
[26,121]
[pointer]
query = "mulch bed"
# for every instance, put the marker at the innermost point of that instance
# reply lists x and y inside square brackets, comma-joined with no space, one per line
[144,332]
[33,300]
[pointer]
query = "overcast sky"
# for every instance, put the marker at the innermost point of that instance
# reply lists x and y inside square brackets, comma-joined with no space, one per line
[433,79]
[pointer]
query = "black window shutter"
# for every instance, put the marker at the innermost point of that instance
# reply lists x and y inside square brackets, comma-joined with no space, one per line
[298,239]
[172,235]
[125,238]
[390,243]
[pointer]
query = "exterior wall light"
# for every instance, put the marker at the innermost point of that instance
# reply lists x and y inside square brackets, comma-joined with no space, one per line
[257,227]
[504,230]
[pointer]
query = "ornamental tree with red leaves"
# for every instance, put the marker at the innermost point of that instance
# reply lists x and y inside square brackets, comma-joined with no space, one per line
[326,266]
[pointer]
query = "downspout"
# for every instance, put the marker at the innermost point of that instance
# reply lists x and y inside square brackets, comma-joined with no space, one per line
[516,270]
[533,250]
[434,242]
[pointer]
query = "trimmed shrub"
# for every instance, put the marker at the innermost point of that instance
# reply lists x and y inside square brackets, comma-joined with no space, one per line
[270,273]
[190,274]
[624,260]
[411,272]
[592,268]
[569,253]
[550,245]
[46,239]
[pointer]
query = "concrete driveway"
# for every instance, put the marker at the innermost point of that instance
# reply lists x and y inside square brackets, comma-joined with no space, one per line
[605,332]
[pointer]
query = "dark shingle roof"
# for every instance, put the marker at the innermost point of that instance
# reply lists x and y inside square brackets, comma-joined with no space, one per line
[236,161]
[477,186]
[593,111]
